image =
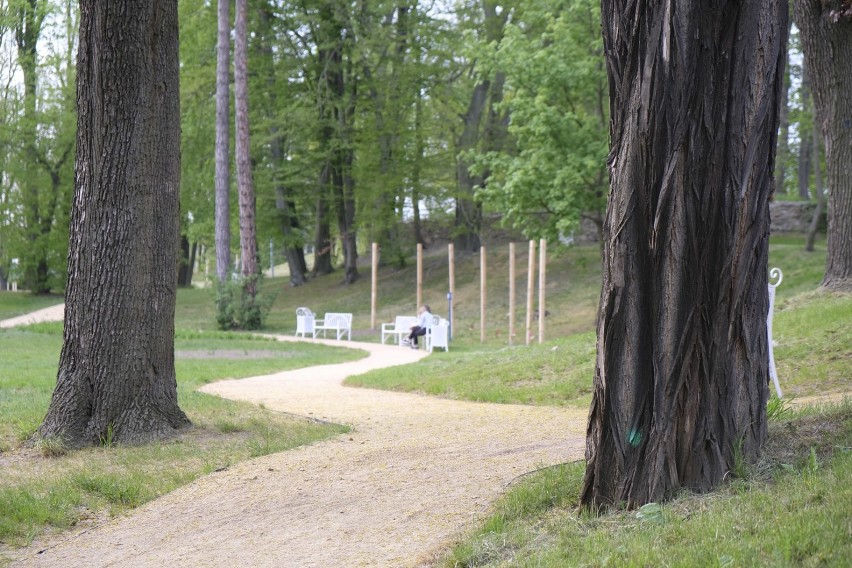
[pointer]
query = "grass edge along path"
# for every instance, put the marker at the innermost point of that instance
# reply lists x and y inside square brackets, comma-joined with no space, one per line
[791,509]
[46,490]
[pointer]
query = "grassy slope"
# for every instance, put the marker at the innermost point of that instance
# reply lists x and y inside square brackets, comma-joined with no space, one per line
[813,351]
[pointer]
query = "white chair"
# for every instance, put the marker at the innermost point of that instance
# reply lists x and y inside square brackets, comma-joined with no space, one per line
[304,322]
[438,335]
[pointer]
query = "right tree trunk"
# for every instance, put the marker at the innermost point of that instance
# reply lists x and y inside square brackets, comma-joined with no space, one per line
[826,28]
[248,227]
[223,134]
[681,381]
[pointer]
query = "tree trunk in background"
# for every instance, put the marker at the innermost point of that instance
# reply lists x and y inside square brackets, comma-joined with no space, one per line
[818,191]
[116,370]
[248,227]
[185,263]
[30,17]
[805,143]
[223,136]
[468,219]
[826,28]
[783,152]
[287,218]
[322,238]
[681,380]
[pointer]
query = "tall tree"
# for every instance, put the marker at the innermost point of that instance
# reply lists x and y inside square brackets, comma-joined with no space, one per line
[483,128]
[223,137]
[116,369]
[248,227]
[826,28]
[681,381]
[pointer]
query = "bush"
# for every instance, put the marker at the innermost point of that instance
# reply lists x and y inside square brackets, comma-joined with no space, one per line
[237,307]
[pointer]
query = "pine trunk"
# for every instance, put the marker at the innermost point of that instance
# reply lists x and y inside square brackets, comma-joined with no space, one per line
[223,136]
[681,381]
[116,370]
[248,226]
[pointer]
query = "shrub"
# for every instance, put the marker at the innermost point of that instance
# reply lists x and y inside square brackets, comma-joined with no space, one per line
[237,307]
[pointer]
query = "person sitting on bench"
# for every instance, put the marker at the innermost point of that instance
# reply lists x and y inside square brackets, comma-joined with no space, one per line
[424,315]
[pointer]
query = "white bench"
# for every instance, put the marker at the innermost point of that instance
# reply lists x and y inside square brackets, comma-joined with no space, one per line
[438,335]
[341,324]
[400,327]
[304,322]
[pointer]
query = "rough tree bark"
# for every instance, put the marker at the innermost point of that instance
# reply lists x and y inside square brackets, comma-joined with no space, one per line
[826,28]
[116,369]
[223,137]
[681,380]
[248,226]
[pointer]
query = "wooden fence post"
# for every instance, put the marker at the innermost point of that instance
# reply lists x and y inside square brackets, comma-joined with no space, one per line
[530,287]
[375,285]
[511,293]
[542,282]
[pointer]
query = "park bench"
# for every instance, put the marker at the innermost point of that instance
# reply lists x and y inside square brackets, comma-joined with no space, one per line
[400,327]
[341,324]
[438,335]
[304,322]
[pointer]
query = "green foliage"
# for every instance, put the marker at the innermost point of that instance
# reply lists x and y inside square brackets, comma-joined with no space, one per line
[556,94]
[240,304]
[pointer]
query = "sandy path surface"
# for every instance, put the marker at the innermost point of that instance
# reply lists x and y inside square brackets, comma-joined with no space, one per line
[413,474]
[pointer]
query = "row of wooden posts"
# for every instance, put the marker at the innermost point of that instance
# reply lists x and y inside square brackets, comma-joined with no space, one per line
[542,279]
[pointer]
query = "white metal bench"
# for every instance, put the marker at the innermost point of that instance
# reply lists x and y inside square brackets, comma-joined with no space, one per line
[304,322]
[341,324]
[438,335]
[400,327]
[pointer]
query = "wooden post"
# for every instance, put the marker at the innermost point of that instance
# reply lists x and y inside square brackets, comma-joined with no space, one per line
[374,292]
[542,280]
[419,277]
[530,286]
[482,297]
[511,293]
[452,260]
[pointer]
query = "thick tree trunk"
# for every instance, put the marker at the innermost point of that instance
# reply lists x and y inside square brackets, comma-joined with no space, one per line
[223,137]
[116,370]
[248,226]
[681,380]
[826,27]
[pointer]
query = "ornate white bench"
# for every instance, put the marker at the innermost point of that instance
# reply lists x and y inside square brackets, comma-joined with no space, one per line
[438,335]
[774,273]
[304,322]
[400,327]
[341,324]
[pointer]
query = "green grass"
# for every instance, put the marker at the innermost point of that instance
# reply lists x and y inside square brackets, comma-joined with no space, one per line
[556,373]
[40,493]
[18,303]
[793,513]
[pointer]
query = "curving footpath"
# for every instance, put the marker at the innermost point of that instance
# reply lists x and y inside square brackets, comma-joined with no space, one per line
[413,474]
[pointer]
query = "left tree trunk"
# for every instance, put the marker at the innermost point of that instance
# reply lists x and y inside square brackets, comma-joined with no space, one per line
[116,369]
[826,27]
[681,380]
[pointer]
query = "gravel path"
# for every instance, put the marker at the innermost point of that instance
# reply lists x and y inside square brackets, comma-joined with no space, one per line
[413,474]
